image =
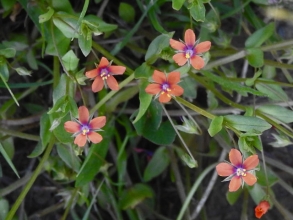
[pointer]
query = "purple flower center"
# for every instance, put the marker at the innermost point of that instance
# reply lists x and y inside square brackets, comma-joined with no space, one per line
[165,87]
[104,73]
[85,129]
[189,52]
[239,171]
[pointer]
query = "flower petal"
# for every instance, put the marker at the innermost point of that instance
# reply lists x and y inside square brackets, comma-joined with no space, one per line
[251,162]
[98,122]
[92,73]
[112,83]
[159,77]
[189,37]
[80,140]
[83,114]
[203,47]
[173,77]
[71,126]
[98,84]
[103,63]
[180,59]
[250,179]
[197,62]
[164,97]
[95,137]
[235,184]
[177,45]
[176,90]
[235,157]
[261,208]
[224,169]
[117,70]
[153,89]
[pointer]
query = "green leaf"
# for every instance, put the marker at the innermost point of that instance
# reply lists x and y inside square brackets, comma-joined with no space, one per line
[273,91]
[189,85]
[271,177]
[226,83]
[45,133]
[7,5]
[255,57]
[152,118]
[197,11]
[8,52]
[67,154]
[157,164]
[85,40]
[99,24]
[61,42]
[150,126]
[186,158]
[260,36]
[156,46]
[95,158]
[154,19]
[59,106]
[216,125]
[144,100]
[23,71]
[4,208]
[121,97]
[144,71]
[8,160]
[59,131]
[277,112]
[177,4]
[4,72]
[67,24]
[135,195]
[47,16]
[256,192]
[232,197]
[247,123]
[126,12]
[251,81]
[70,61]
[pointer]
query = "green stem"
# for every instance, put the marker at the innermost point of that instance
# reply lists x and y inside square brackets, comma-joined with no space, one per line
[195,108]
[112,93]
[18,134]
[56,71]
[36,173]
[9,90]
[69,204]
[193,189]
[181,139]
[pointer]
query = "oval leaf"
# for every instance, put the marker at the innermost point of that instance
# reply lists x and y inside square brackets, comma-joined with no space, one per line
[157,164]
[247,123]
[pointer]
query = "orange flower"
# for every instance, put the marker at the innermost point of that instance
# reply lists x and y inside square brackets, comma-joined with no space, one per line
[84,128]
[165,86]
[190,50]
[238,171]
[261,208]
[105,71]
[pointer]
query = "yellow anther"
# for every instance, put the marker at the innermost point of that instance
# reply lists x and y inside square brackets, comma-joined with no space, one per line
[187,55]
[169,90]
[85,131]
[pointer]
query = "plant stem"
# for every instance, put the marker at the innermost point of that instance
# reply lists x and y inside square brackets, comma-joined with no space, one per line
[36,173]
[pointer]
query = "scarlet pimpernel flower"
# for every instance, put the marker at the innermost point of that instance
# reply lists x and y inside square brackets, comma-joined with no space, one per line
[261,208]
[238,171]
[190,50]
[85,128]
[165,86]
[104,74]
